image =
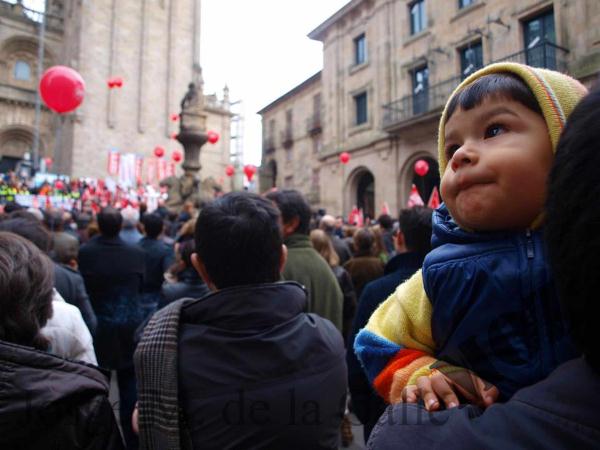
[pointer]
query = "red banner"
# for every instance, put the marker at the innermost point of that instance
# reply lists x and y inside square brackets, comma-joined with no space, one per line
[114,158]
[139,165]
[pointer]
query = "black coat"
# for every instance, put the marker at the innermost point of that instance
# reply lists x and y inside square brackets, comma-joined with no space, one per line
[189,284]
[159,257]
[50,403]
[113,272]
[255,371]
[70,286]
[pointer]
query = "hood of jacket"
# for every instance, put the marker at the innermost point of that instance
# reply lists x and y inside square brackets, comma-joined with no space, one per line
[36,385]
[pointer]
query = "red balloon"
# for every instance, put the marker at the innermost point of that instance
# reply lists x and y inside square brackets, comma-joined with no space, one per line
[159,152]
[177,156]
[229,170]
[59,185]
[62,89]
[344,157]
[421,167]
[174,117]
[118,81]
[249,170]
[111,83]
[48,161]
[213,137]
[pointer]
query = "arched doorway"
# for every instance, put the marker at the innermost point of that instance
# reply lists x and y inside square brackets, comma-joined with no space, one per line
[14,144]
[427,182]
[365,194]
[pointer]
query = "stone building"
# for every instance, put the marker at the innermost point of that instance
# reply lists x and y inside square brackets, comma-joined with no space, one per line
[388,68]
[152,45]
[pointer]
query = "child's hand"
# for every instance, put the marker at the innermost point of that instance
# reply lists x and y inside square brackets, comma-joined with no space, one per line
[440,387]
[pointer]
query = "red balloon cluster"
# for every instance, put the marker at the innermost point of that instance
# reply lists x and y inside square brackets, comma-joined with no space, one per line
[174,117]
[213,137]
[176,156]
[249,170]
[344,157]
[421,167]
[114,82]
[229,170]
[62,89]
[159,152]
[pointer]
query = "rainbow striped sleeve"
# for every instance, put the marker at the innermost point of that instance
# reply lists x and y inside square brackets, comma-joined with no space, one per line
[397,341]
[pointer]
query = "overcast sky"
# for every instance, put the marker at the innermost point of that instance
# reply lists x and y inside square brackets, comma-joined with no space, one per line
[260,50]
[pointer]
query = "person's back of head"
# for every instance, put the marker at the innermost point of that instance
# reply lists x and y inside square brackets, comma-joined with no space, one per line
[12,206]
[293,206]
[573,223]
[321,241]
[239,241]
[415,225]
[26,281]
[327,223]
[53,219]
[386,222]
[66,248]
[153,225]
[30,229]
[131,217]
[363,242]
[109,222]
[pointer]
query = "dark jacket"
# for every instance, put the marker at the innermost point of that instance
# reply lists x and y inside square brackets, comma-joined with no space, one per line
[255,371]
[495,308]
[159,257]
[113,272]
[558,412]
[341,247]
[69,284]
[50,403]
[367,405]
[345,281]
[308,268]
[189,284]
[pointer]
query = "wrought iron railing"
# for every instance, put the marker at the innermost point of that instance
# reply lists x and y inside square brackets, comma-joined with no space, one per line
[313,124]
[546,55]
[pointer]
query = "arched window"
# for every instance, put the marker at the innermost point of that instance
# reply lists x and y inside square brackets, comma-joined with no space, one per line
[22,70]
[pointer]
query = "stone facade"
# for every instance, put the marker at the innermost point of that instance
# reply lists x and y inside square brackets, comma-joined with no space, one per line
[389,67]
[152,45]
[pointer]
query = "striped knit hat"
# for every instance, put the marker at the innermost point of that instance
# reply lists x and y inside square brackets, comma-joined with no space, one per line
[556,93]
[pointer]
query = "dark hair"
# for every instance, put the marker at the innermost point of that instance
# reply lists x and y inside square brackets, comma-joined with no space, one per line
[26,280]
[109,222]
[11,207]
[415,224]
[65,248]
[32,230]
[385,221]
[185,250]
[292,204]
[573,223]
[54,220]
[363,242]
[22,214]
[153,225]
[497,85]
[238,237]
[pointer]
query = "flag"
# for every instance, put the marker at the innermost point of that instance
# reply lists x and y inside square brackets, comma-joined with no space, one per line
[139,164]
[113,162]
[162,169]
[385,209]
[414,199]
[434,199]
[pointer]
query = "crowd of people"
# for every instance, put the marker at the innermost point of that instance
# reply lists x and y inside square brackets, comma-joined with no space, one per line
[254,322]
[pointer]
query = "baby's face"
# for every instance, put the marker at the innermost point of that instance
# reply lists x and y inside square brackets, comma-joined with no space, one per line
[499,156]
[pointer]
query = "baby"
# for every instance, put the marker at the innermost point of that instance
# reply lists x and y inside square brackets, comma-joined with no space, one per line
[484,299]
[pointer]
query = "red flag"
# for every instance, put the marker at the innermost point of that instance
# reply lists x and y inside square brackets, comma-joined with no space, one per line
[113,162]
[170,172]
[162,169]
[139,164]
[385,209]
[151,171]
[353,216]
[414,199]
[434,199]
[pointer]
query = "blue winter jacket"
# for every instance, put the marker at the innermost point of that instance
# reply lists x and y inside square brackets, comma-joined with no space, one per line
[495,307]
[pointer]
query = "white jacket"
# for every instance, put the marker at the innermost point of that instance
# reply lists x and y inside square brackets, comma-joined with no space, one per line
[68,334]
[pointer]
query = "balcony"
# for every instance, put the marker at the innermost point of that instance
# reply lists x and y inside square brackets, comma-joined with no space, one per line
[432,99]
[429,103]
[287,139]
[313,124]
[268,145]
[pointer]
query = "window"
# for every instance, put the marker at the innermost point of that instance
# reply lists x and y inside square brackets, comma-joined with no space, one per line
[471,59]
[360,49]
[360,103]
[418,20]
[420,84]
[540,40]
[464,3]
[22,71]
